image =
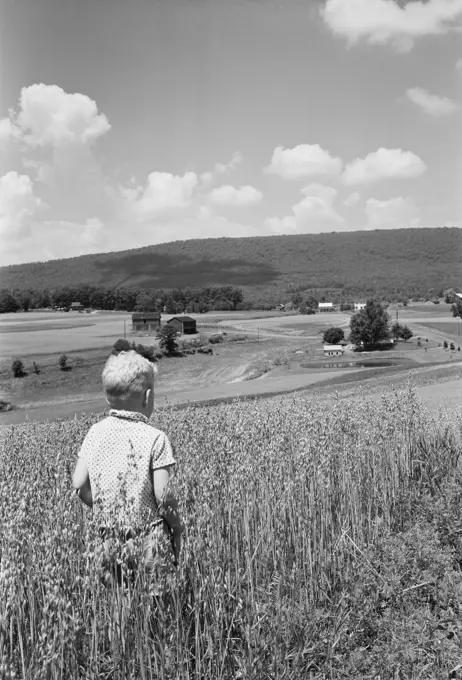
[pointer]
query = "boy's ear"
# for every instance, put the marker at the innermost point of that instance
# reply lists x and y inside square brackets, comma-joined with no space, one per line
[146,397]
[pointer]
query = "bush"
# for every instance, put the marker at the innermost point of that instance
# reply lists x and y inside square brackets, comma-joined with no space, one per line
[121,345]
[216,338]
[63,362]
[445,344]
[18,368]
[452,346]
[5,406]
[36,367]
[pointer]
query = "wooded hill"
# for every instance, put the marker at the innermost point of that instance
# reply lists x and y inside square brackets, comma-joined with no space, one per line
[411,262]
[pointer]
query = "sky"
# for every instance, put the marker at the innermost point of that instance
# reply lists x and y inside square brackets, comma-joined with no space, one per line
[126,124]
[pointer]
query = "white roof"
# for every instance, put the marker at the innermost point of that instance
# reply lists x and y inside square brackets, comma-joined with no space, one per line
[459,295]
[331,347]
[325,304]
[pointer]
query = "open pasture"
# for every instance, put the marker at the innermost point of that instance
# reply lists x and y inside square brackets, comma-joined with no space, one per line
[319,544]
[447,327]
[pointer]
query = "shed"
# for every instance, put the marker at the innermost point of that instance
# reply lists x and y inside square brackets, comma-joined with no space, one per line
[326,307]
[185,325]
[333,350]
[77,307]
[145,321]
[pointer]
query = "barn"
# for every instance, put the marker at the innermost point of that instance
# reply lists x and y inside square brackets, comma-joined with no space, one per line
[185,325]
[145,321]
[77,307]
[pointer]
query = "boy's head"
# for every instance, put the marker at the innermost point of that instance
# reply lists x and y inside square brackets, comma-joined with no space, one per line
[128,381]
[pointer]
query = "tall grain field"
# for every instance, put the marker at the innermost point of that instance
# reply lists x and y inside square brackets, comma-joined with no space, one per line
[322,542]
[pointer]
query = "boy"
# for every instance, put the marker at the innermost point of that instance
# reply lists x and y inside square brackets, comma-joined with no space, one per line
[124,463]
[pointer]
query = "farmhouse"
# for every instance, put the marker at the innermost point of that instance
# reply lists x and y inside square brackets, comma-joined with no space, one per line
[359,306]
[333,350]
[183,324]
[145,321]
[325,307]
[77,307]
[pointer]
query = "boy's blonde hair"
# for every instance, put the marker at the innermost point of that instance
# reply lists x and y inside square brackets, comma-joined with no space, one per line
[127,374]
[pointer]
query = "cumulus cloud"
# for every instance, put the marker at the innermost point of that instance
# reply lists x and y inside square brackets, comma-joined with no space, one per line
[18,205]
[315,211]
[163,192]
[304,160]
[394,213]
[381,22]
[352,199]
[231,196]
[383,164]
[236,159]
[431,103]
[50,116]
[8,131]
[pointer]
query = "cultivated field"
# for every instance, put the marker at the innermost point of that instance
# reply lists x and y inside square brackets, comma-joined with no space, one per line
[321,543]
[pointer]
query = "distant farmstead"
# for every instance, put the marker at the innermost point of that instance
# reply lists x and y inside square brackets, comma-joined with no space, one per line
[333,350]
[77,307]
[185,325]
[326,307]
[145,321]
[359,306]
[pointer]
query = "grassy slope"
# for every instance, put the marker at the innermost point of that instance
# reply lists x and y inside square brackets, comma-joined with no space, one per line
[418,259]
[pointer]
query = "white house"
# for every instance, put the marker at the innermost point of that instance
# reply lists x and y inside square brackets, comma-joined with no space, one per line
[325,307]
[359,306]
[333,350]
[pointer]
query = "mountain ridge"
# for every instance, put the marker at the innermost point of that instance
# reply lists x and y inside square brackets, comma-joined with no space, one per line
[362,261]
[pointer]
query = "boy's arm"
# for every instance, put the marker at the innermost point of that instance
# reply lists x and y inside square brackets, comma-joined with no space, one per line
[81,482]
[168,506]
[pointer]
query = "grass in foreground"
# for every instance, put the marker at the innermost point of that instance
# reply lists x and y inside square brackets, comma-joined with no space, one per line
[320,543]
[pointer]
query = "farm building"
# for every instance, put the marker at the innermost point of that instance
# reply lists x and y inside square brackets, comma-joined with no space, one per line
[333,350]
[359,306]
[183,324]
[459,295]
[77,307]
[325,307]
[145,321]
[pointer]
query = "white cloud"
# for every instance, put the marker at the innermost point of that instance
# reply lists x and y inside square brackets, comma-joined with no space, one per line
[431,103]
[383,164]
[18,205]
[383,22]
[231,196]
[352,199]
[315,212]
[394,213]
[163,192]
[459,65]
[304,160]
[50,116]
[236,159]
[8,131]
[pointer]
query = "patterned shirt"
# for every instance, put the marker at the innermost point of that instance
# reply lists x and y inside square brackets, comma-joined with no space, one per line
[121,452]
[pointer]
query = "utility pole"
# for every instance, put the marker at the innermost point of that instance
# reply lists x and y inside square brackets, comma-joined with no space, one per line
[125,332]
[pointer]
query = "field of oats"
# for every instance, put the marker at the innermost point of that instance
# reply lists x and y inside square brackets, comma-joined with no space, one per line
[322,542]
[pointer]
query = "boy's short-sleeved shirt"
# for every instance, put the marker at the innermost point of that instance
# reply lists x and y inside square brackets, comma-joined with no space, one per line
[121,452]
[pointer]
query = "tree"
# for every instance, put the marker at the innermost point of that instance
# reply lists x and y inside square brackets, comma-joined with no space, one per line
[305,309]
[370,325]
[406,333]
[333,335]
[296,299]
[396,330]
[167,339]
[456,308]
[18,368]
[7,302]
[63,362]
[312,302]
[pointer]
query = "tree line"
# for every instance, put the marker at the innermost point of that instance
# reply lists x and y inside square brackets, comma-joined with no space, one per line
[176,301]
